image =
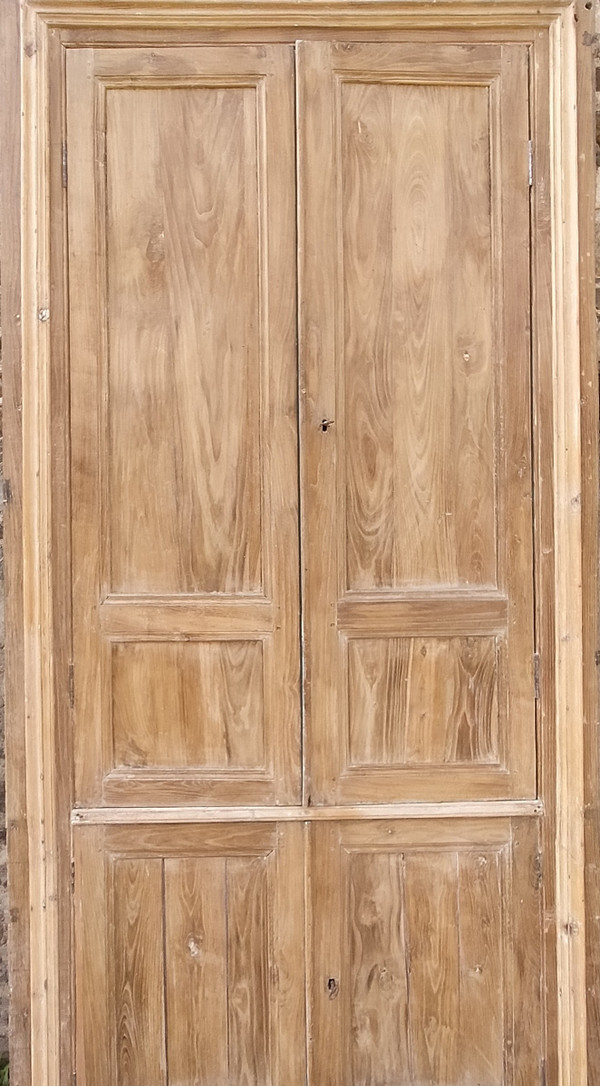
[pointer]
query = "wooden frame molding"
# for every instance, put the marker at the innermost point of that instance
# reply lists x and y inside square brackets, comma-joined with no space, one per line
[39,808]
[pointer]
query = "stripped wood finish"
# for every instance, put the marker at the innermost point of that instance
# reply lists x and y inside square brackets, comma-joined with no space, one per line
[183,426]
[196,953]
[415,351]
[417,376]
[158,52]
[401,691]
[415,932]
[197,703]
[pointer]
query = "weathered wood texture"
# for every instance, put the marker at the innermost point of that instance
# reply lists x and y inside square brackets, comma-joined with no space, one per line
[16,799]
[196,928]
[183,424]
[587,61]
[416,932]
[415,349]
[190,955]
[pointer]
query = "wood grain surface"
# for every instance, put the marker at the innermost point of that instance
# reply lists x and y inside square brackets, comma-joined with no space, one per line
[183,422]
[437,908]
[416,452]
[138,972]
[191,704]
[414,942]
[413,701]
[197,948]
[184,340]
[418,349]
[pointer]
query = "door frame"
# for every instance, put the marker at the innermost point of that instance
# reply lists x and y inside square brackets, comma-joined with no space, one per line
[36,496]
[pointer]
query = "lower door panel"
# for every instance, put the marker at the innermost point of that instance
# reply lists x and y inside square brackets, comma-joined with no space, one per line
[423,965]
[189,955]
[426,953]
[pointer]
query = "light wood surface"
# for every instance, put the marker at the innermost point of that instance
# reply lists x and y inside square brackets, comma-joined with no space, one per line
[201,930]
[586,105]
[506,808]
[415,931]
[414,344]
[376,15]
[361,873]
[183,421]
[18,914]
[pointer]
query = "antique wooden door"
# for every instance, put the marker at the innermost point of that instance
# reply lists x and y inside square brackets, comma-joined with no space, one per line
[306,671]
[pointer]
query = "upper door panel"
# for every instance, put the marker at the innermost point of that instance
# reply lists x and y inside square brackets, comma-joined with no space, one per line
[417,470]
[183,377]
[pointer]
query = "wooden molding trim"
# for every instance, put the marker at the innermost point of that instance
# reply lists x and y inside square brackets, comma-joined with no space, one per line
[570,859]
[370,14]
[34,702]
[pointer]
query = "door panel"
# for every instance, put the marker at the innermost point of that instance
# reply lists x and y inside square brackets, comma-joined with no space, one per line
[416,469]
[449,708]
[183,400]
[417,931]
[226,950]
[189,944]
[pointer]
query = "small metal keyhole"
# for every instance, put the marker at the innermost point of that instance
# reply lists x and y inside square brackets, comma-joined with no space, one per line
[333,987]
[326,423]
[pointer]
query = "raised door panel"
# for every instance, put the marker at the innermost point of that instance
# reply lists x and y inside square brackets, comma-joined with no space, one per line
[416,397]
[426,953]
[181,238]
[189,955]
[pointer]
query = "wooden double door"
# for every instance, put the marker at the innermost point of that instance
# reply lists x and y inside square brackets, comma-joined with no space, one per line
[305,836]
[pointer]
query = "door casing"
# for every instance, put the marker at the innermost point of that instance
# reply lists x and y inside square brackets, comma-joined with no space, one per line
[38,657]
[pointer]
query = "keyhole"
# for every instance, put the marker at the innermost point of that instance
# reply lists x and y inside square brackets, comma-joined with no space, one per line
[326,423]
[333,987]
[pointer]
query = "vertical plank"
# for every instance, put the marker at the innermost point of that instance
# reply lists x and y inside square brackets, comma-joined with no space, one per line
[484,973]
[514,332]
[249,957]
[587,67]
[524,934]
[542,341]
[138,998]
[196,970]
[84,291]
[432,936]
[91,932]
[319,300]
[288,979]
[329,995]
[377,970]
[15,731]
